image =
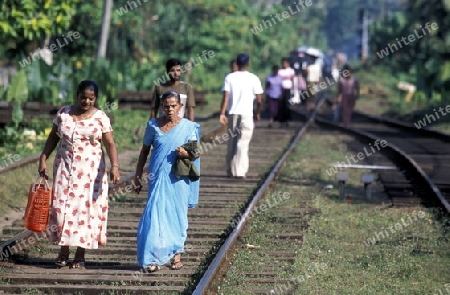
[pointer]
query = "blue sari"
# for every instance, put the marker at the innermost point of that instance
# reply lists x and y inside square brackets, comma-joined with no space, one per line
[163,226]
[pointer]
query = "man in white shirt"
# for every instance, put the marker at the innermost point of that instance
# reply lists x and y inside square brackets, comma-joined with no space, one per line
[239,91]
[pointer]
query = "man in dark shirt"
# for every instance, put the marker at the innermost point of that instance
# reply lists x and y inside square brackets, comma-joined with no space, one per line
[173,68]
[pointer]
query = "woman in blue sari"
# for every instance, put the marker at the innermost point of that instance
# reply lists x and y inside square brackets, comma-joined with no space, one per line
[163,226]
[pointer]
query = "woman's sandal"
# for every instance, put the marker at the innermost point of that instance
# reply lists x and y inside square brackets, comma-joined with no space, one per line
[62,261]
[176,264]
[78,264]
[152,268]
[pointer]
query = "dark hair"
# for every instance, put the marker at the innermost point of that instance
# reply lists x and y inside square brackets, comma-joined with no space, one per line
[169,94]
[89,85]
[232,62]
[275,68]
[242,60]
[284,59]
[346,67]
[171,63]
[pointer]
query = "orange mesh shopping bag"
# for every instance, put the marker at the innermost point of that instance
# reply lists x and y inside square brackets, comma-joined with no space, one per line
[36,213]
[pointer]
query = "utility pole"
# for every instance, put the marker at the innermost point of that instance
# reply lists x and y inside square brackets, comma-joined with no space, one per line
[364,23]
[106,22]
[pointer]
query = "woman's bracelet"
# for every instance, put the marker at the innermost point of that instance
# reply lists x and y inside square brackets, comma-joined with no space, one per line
[115,165]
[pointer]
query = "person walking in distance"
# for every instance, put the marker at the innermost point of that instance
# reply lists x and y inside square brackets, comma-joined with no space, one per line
[348,93]
[313,78]
[287,75]
[273,92]
[233,66]
[240,90]
[173,68]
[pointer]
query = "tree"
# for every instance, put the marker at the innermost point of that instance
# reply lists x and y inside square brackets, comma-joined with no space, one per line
[426,55]
[107,7]
[25,24]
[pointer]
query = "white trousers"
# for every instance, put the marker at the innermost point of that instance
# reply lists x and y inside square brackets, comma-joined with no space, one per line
[241,131]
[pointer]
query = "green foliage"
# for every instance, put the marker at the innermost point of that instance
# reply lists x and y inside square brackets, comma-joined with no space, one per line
[37,77]
[144,36]
[11,136]
[18,90]
[188,28]
[426,58]
[40,82]
[147,35]
[17,114]
[57,84]
[22,21]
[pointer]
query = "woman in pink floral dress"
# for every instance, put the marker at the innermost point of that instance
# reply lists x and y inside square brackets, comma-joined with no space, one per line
[78,216]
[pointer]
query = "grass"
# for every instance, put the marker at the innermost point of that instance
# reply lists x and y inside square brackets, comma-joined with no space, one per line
[129,127]
[379,89]
[376,103]
[412,260]
[380,96]
[14,186]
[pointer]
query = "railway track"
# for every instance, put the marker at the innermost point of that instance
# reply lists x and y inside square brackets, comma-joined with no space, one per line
[214,227]
[217,225]
[420,155]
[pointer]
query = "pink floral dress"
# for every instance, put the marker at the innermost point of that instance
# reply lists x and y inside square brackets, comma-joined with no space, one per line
[80,182]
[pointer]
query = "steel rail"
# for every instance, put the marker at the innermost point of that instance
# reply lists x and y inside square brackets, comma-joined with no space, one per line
[21,163]
[204,286]
[398,124]
[406,159]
